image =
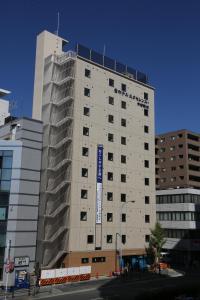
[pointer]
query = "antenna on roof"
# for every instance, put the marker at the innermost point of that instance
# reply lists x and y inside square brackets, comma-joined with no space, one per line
[104,50]
[58,23]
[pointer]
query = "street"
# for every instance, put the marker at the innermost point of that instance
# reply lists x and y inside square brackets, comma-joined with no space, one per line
[111,289]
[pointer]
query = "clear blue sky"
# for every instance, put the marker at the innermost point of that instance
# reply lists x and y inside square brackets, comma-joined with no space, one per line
[160,38]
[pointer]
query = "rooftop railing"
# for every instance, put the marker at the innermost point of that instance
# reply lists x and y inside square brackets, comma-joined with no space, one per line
[111,64]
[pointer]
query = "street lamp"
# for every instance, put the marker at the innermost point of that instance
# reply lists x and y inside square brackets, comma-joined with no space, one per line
[120,234]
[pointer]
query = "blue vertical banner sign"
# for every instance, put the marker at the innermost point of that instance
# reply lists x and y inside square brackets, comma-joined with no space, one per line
[99,182]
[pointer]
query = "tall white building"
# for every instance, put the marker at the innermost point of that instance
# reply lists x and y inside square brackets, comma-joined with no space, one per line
[4,106]
[98,157]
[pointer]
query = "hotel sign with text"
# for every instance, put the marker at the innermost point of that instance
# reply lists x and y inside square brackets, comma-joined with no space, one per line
[140,102]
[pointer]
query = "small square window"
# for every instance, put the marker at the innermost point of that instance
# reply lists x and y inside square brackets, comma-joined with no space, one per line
[86,111]
[85,151]
[111,82]
[83,216]
[110,118]
[146,146]
[146,164]
[173,168]
[123,197]
[90,239]
[147,218]
[123,140]
[84,172]
[110,176]
[123,239]
[85,260]
[123,177]
[84,194]
[110,137]
[111,100]
[123,159]
[180,156]
[146,112]
[146,181]
[110,156]
[146,96]
[180,145]
[86,131]
[109,217]
[123,122]
[123,87]
[147,199]
[146,129]
[87,73]
[123,104]
[109,196]
[109,239]
[86,92]
[123,218]
[147,238]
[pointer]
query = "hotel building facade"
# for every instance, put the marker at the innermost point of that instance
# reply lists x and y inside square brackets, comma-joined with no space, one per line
[97,194]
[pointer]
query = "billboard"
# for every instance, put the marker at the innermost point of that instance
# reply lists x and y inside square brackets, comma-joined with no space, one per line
[99,184]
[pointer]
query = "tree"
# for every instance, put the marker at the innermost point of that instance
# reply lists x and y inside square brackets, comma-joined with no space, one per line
[157,240]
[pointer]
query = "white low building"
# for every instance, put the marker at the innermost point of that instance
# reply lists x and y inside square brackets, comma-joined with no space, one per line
[178,211]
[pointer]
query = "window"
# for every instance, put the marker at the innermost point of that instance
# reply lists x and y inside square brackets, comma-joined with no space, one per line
[173,168]
[109,239]
[123,239]
[123,159]
[181,167]
[172,148]
[146,146]
[86,111]
[123,140]
[85,151]
[110,118]
[123,104]
[147,238]
[109,196]
[86,131]
[180,145]
[163,170]
[111,82]
[109,217]
[123,86]
[146,96]
[123,218]
[83,216]
[98,259]
[86,92]
[123,122]
[87,73]
[147,199]
[146,164]
[180,135]
[123,177]
[180,156]
[110,156]
[181,177]
[85,260]
[90,239]
[162,150]
[146,129]
[146,112]
[173,138]
[110,137]
[172,157]
[111,100]
[84,194]
[123,197]
[173,179]
[110,176]
[147,218]
[84,172]
[146,181]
